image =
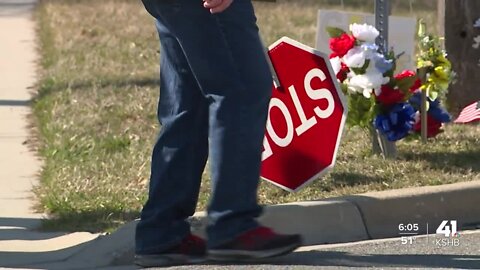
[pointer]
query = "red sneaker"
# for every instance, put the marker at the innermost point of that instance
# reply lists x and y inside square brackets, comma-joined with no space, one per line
[191,250]
[258,243]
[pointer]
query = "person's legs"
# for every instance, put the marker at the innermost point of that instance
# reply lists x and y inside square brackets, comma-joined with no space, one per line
[226,56]
[179,155]
[238,128]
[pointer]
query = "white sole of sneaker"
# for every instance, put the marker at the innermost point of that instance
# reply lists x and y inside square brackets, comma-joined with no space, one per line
[247,255]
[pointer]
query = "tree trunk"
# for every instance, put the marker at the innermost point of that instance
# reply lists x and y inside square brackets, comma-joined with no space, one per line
[463,51]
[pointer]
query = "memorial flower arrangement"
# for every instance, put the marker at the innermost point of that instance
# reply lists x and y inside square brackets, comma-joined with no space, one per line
[377,96]
[439,74]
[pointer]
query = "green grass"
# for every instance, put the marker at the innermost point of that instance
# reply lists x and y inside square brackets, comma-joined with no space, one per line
[95,116]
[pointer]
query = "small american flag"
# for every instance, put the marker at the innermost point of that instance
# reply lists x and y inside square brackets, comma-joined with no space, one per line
[469,114]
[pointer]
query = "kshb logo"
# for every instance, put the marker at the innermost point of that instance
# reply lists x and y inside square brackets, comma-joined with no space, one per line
[448,230]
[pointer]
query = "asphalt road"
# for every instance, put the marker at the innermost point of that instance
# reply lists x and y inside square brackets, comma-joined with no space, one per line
[424,252]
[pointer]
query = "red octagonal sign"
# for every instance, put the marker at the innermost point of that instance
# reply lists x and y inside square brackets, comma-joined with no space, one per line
[306,117]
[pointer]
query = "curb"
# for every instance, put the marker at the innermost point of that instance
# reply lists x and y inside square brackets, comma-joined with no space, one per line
[351,218]
[383,212]
[317,221]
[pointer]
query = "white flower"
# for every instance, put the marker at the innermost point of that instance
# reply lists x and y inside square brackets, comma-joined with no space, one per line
[364,32]
[355,57]
[336,64]
[360,84]
[367,83]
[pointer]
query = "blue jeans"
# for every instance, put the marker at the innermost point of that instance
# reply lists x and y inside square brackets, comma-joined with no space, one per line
[215,88]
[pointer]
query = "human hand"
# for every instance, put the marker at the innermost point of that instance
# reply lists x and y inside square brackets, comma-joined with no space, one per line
[216,6]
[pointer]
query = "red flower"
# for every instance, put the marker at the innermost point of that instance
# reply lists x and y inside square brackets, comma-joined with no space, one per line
[433,126]
[390,96]
[408,73]
[341,45]
[342,74]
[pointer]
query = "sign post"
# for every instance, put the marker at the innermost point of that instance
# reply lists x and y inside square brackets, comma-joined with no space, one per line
[382,14]
[380,144]
[422,74]
[306,116]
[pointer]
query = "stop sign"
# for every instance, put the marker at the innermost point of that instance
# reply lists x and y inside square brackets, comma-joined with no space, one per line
[306,117]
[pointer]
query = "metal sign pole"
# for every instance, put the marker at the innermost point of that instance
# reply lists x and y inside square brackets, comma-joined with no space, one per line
[423,115]
[382,13]
[422,74]
[275,79]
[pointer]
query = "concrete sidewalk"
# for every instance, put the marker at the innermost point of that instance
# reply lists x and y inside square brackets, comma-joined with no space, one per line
[19,168]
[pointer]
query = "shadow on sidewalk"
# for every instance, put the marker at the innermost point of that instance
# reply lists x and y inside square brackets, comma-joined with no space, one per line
[77,250]
[14,103]
[12,8]
[21,245]
[12,228]
[31,259]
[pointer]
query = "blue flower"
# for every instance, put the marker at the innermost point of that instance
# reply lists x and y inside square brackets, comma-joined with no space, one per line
[371,47]
[416,100]
[382,64]
[438,112]
[397,123]
[435,110]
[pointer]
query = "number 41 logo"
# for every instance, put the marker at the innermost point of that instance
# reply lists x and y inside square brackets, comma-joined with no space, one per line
[448,230]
